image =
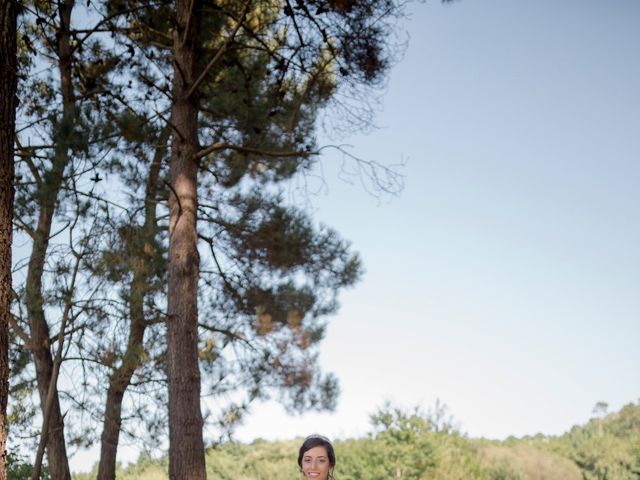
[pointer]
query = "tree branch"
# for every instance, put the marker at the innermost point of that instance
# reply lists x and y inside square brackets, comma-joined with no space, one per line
[19,331]
[227,333]
[216,147]
[27,158]
[376,179]
[54,376]
[220,52]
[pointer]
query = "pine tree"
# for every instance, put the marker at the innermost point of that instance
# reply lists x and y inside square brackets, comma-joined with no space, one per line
[8,53]
[249,279]
[56,148]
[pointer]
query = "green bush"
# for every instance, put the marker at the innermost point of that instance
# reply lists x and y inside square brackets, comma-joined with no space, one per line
[416,446]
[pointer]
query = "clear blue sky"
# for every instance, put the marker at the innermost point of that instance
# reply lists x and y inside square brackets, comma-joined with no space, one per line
[505,280]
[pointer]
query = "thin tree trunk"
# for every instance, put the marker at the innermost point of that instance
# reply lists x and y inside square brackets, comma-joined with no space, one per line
[39,328]
[186,446]
[121,377]
[7,129]
[57,361]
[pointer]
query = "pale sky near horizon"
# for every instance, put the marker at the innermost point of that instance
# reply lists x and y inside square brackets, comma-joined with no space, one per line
[504,280]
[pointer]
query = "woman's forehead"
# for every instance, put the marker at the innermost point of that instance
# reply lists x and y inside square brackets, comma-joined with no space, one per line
[317,451]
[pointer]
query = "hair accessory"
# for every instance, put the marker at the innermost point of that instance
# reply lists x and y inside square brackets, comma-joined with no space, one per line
[316,435]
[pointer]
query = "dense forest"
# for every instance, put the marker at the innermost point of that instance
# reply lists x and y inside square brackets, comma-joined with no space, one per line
[418,445]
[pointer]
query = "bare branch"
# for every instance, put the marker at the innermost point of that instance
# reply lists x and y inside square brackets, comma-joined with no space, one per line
[376,179]
[295,24]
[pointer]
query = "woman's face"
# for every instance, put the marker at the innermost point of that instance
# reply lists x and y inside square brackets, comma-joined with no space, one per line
[315,464]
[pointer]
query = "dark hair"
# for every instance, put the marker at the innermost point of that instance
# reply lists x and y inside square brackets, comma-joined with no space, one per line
[317,441]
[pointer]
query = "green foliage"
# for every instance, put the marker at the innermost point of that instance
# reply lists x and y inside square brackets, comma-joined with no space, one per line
[19,469]
[413,445]
[519,460]
[402,434]
[606,448]
[502,469]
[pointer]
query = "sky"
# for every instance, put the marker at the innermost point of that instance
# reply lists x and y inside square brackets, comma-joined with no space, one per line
[503,281]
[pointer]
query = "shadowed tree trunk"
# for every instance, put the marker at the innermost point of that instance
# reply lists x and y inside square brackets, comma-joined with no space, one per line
[49,190]
[7,129]
[121,377]
[186,446]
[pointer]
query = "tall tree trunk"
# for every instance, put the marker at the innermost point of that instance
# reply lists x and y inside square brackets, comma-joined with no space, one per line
[186,446]
[7,129]
[48,194]
[41,345]
[121,377]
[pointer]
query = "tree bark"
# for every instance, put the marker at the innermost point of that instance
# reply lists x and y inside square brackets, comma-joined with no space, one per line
[186,446]
[7,130]
[39,328]
[121,377]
